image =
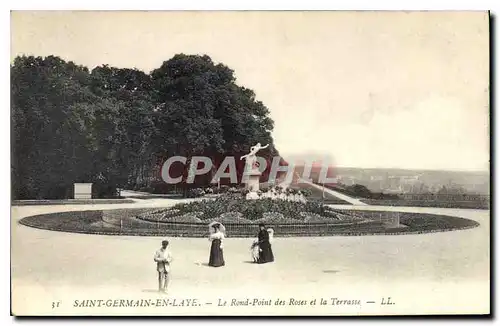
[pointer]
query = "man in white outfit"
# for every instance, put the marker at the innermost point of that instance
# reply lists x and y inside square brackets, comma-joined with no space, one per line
[163,258]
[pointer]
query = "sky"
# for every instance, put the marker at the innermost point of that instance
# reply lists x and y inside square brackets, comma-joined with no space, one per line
[365,89]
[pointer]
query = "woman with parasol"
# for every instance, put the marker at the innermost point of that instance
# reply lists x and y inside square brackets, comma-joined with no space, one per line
[265,237]
[256,250]
[217,231]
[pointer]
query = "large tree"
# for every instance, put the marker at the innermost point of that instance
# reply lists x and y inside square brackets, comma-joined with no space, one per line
[113,126]
[49,148]
[131,90]
[207,113]
[69,127]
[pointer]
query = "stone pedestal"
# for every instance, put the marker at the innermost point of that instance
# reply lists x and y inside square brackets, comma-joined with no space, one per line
[395,220]
[252,195]
[83,191]
[252,184]
[389,219]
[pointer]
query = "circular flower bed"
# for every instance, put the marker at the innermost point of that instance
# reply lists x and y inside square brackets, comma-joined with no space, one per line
[233,208]
[124,222]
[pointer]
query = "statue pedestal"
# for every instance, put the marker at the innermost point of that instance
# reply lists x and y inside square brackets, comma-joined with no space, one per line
[389,219]
[83,191]
[252,195]
[395,220]
[253,184]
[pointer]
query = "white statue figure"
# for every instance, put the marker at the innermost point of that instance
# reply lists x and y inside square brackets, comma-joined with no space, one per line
[251,158]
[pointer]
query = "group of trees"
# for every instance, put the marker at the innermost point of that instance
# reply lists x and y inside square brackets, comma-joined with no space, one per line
[115,126]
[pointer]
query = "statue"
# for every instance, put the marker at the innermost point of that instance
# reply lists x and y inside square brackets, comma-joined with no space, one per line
[251,158]
[252,168]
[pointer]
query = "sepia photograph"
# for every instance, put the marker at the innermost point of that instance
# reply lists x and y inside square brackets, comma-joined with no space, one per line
[250,163]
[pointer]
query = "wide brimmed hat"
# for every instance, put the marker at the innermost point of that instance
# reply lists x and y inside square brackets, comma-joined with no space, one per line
[217,225]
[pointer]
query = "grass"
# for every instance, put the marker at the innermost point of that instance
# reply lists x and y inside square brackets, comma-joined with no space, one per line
[429,203]
[317,195]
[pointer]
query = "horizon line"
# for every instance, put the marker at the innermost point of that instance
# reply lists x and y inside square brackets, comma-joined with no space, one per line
[405,168]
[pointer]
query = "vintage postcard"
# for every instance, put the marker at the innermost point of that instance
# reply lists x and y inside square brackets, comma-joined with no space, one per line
[250,163]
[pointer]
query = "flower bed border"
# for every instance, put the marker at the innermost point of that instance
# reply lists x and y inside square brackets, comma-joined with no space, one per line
[60,222]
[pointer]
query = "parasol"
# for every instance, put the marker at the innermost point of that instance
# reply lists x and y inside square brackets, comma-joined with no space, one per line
[271,234]
[222,228]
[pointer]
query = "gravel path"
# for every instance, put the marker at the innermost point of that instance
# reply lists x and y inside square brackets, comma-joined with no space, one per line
[429,273]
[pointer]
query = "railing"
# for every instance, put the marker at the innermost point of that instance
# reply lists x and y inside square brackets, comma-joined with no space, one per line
[348,222]
[439,203]
[386,218]
[447,197]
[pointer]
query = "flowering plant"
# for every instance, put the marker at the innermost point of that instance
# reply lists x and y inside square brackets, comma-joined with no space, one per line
[230,217]
[276,218]
[186,218]
[244,191]
[313,217]
[195,193]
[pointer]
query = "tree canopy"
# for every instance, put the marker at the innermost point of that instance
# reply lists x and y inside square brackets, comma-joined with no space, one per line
[113,126]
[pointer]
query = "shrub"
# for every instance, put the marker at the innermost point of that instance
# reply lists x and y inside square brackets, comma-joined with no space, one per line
[276,218]
[160,188]
[186,218]
[160,215]
[244,191]
[231,196]
[253,210]
[101,190]
[195,193]
[306,192]
[312,217]
[171,212]
[230,217]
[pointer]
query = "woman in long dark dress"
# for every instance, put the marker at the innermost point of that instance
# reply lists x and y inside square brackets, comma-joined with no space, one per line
[265,253]
[216,254]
